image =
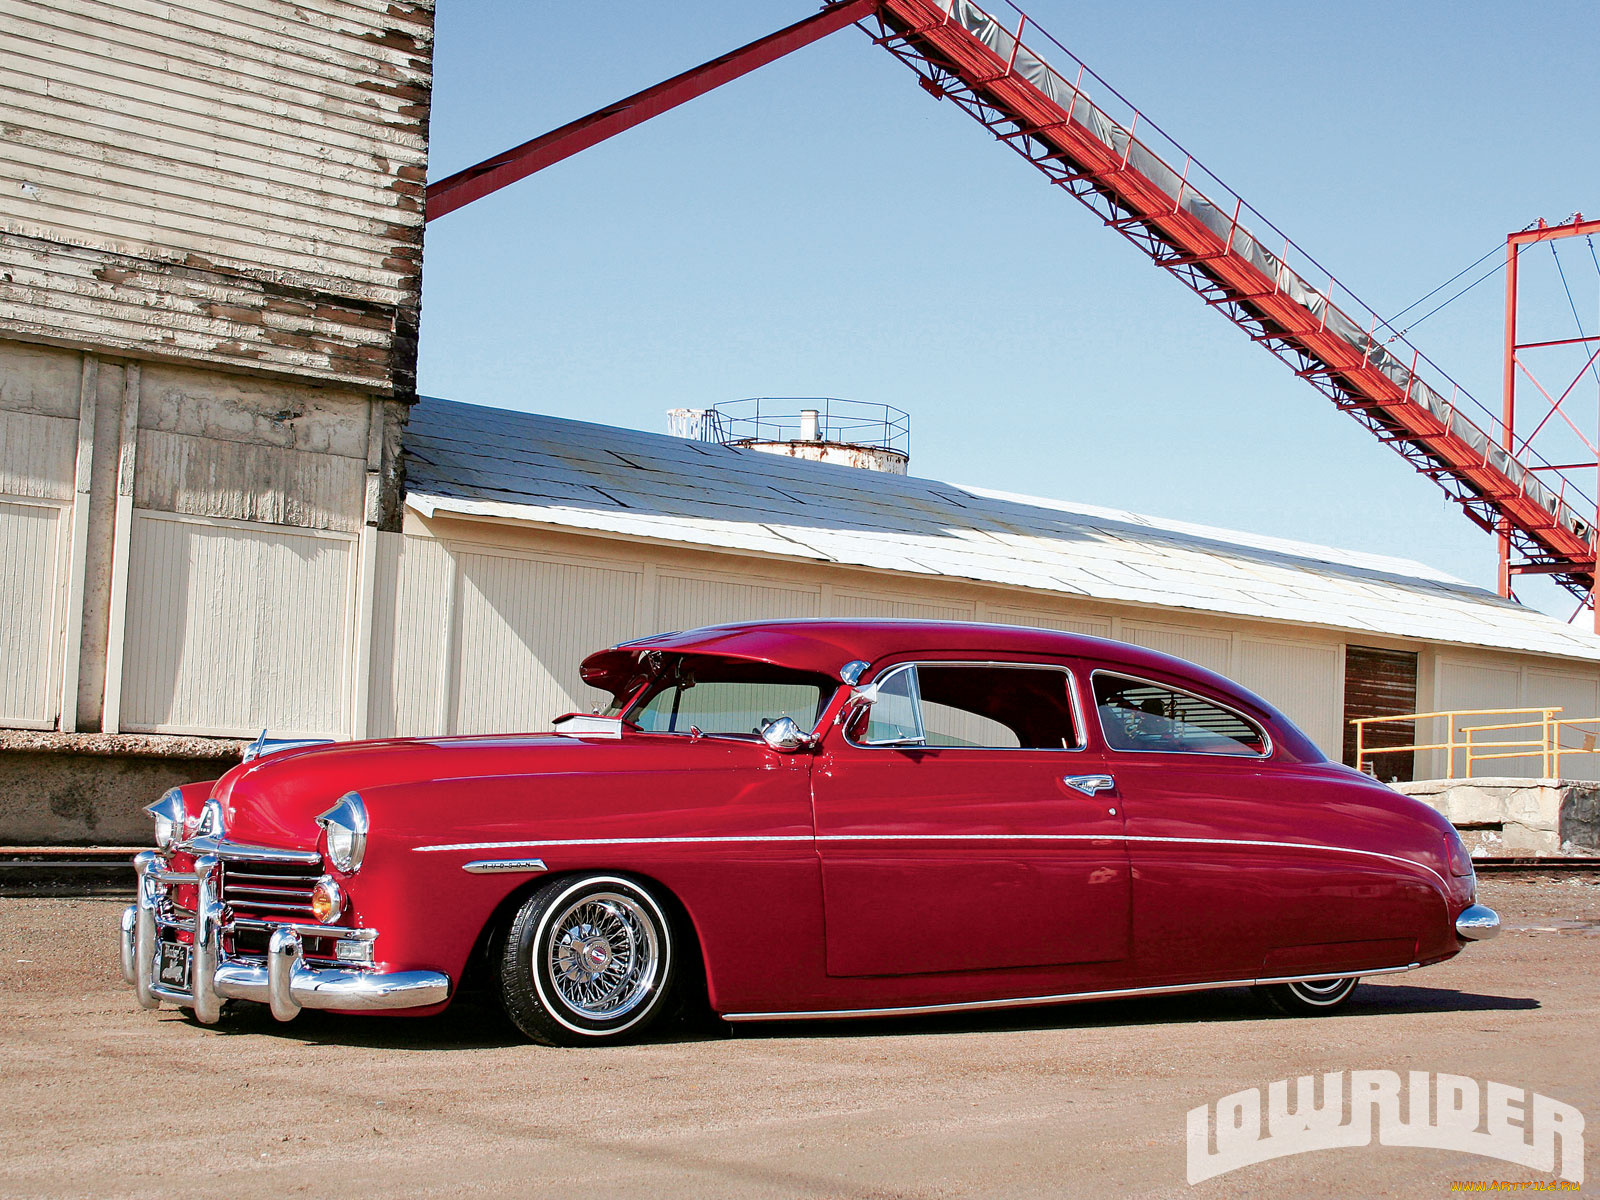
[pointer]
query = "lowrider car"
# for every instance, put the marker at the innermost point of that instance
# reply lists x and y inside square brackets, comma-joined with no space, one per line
[806,819]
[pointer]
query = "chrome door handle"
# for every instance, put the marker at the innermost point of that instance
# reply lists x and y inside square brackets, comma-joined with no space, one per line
[1090,784]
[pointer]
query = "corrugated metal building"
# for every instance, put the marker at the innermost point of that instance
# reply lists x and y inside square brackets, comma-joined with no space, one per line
[530,541]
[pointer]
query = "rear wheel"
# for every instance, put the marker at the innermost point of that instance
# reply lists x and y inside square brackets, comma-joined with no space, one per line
[589,960]
[1311,997]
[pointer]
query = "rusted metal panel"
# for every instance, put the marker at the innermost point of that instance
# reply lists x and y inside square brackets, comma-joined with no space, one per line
[1381,683]
[215,183]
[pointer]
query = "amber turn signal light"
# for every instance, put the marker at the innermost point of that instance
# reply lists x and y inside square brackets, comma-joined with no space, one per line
[327,901]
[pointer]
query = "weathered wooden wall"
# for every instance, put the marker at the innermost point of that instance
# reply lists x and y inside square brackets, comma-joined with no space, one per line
[179,546]
[238,185]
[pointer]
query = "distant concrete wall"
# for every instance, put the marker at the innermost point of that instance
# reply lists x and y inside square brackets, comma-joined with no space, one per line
[90,790]
[1517,817]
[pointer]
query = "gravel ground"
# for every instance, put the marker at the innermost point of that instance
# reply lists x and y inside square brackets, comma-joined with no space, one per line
[101,1099]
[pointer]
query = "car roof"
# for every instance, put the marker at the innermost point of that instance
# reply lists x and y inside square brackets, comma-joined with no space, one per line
[824,645]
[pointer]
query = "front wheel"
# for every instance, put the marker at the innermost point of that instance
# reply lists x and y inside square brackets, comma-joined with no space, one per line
[1309,998]
[589,960]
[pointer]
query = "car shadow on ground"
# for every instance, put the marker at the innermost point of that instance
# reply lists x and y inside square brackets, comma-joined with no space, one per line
[476,1023]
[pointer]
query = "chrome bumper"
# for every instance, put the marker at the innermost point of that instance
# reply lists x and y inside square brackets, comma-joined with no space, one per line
[285,983]
[1478,923]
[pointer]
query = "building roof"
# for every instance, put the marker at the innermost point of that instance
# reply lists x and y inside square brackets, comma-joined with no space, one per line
[470,461]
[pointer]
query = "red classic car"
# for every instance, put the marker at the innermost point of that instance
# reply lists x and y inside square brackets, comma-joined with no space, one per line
[807,819]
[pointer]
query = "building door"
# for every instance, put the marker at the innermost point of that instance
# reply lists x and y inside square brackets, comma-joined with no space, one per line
[1380,683]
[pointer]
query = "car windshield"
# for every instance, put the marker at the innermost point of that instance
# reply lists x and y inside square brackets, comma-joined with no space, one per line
[728,698]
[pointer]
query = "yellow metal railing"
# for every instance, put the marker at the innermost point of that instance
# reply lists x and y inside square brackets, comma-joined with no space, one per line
[1488,743]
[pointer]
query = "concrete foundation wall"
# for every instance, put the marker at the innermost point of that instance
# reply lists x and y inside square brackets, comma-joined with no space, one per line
[91,790]
[1517,817]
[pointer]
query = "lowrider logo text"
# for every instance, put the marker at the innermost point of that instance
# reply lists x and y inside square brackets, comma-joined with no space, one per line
[1444,1112]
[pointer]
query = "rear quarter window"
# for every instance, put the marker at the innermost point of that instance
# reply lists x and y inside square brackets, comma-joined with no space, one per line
[1141,715]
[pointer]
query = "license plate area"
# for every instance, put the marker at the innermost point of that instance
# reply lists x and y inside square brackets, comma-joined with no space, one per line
[173,964]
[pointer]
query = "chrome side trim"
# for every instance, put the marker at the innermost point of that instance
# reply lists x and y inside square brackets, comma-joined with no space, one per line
[623,841]
[1063,998]
[504,866]
[938,837]
[1478,923]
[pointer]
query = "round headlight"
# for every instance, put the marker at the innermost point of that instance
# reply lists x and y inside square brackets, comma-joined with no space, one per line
[344,833]
[169,815]
[327,901]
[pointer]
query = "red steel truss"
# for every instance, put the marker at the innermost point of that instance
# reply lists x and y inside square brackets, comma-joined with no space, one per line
[1158,196]
[492,174]
[1109,166]
[1517,364]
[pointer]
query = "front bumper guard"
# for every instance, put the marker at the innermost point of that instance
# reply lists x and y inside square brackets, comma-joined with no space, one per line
[285,984]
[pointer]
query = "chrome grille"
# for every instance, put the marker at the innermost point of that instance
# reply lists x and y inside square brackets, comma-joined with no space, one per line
[269,891]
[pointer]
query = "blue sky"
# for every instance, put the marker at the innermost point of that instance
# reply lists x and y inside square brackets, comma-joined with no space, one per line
[824,227]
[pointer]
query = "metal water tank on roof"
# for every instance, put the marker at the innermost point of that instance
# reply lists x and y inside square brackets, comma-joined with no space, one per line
[850,433]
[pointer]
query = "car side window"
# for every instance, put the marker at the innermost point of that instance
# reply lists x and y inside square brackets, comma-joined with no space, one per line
[896,715]
[1136,714]
[974,706]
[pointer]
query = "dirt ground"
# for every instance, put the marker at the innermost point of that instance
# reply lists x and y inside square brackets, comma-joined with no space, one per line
[100,1099]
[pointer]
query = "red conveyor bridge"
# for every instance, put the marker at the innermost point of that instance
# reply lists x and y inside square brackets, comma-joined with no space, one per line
[1036,97]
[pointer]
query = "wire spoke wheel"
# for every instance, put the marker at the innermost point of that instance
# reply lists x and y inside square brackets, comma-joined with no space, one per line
[603,956]
[1309,997]
[588,959]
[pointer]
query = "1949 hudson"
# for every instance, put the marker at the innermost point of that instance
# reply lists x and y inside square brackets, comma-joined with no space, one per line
[807,819]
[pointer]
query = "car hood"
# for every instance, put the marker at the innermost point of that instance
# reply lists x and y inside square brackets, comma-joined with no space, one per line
[274,800]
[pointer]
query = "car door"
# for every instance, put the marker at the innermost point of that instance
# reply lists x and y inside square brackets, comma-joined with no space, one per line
[961,828]
[1245,862]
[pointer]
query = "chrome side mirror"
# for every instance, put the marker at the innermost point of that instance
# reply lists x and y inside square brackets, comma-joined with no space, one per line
[785,735]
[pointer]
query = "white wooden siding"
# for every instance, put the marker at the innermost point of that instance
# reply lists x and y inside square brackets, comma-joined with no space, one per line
[30,601]
[411,637]
[1300,678]
[235,184]
[232,628]
[690,601]
[1467,684]
[864,604]
[521,628]
[1041,619]
[1211,650]
[1499,682]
